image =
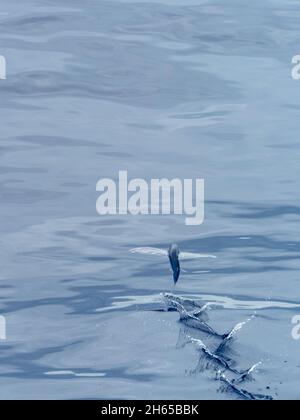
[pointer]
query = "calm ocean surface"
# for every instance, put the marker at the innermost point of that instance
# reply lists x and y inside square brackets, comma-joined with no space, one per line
[169,88]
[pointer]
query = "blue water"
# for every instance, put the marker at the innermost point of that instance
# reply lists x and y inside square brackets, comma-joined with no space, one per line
[169,88]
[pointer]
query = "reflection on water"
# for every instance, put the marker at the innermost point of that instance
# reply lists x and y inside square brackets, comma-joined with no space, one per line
[181,88]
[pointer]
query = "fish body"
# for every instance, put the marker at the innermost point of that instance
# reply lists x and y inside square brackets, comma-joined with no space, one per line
[173,254]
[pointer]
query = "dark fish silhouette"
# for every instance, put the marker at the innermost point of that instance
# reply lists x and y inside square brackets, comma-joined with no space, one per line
[173,254]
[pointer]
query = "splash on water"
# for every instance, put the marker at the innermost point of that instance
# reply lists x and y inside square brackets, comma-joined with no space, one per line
[231,335]
[191,314]
[230,386]
[195,316]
